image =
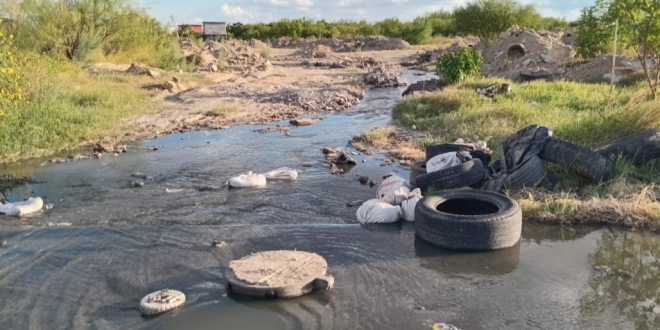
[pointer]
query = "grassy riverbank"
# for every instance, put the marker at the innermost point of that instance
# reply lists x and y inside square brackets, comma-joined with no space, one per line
[582,113]
[72,107]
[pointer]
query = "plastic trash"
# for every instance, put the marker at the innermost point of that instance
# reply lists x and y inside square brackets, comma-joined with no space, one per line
[32,205]
[447,160]
[390,190]
[377,211]
[282,173]
[248,180]
[408,205]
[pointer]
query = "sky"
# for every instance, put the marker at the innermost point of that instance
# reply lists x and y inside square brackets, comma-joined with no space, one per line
[251,11]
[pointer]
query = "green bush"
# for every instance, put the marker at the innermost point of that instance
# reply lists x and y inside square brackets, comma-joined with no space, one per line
[456,67]
[486,19]
[14,84]
[595,34]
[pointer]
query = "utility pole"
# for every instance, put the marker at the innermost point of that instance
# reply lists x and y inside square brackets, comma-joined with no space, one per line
[616,33]
[176,28]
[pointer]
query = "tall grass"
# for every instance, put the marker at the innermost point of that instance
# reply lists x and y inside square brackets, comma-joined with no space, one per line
[579,112]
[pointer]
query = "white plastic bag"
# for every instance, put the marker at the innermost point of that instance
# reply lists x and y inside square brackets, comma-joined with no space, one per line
[31,205]
[390,188]
[377,211]
[446,160]
[282,173]
[248,180]
[408,205]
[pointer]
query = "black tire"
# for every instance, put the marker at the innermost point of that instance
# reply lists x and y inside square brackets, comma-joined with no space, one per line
[582,160]
[468,220]
[458,176]
[438,149]
[639,148]
[416,170]
[529,175]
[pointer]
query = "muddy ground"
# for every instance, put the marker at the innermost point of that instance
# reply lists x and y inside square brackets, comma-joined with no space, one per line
[290,88]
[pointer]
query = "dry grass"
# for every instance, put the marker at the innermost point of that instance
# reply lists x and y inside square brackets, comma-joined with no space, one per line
[638,208]
[437,42]
[394,140]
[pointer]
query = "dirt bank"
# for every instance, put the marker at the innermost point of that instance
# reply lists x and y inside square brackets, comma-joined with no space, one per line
[288,88]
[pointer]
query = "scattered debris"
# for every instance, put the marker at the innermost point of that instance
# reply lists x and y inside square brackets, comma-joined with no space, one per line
[315,51]
[363,179]
[424,86]
[489,91]
[137,183]
[4,245]
[32,205]
[379,77]
[218,244]
[139,175]
[172,191]
[345,45]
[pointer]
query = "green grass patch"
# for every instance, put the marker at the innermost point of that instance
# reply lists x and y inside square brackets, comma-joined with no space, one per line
[224,110]
[583,113]
[73,108]
[375,136]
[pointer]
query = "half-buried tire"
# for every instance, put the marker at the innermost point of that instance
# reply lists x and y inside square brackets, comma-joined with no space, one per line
[161,301]
[459,176]
[584,161]
[639,148]
[468,220]
[529,175]
[416,170]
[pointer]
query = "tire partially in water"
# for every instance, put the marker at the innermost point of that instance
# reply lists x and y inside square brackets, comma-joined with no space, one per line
[469,220]
[161,301]
[416,169]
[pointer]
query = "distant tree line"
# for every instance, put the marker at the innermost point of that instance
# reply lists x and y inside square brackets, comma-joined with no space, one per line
[483,18]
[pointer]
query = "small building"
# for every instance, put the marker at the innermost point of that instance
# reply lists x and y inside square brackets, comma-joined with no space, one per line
[214,31]
[196,28]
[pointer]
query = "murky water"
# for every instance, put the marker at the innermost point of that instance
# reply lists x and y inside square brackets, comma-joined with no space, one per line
[86,263]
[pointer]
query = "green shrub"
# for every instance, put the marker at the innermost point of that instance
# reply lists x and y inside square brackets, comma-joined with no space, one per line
[14,84]
[456,67]
[486,19]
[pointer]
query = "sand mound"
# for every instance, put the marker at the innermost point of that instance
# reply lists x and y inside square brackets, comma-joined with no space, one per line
[233,52]
[315,51]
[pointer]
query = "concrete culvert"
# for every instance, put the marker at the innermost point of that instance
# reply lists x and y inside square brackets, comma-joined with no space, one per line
[161,301]
[516,51]
[278,274]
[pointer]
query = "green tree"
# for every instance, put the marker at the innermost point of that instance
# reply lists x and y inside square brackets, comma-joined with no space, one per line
[595,34]
[486,19]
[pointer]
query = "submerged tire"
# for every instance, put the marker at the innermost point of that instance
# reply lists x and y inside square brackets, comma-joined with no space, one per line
[639,148]
[438,149]
[161,301]
[417,169]
[458,176]
[468,220]
[529,175]
[582,160]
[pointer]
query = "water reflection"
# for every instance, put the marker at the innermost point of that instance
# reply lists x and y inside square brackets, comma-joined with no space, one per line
[538,232]
[624,289]
[498,262]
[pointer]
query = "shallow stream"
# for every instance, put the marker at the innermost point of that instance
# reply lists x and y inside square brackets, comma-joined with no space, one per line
[87,262]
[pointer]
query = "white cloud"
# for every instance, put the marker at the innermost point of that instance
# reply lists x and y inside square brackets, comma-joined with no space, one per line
[232,11]
[301,3]
[198,20]
[399,1]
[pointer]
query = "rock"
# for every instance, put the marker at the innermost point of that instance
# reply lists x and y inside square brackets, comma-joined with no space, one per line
[170,86]
[137,184]
[103,147]
[138,69]
[214,68]
[371,184]
[327,151]
[363,179]
[98,155]
[354,203]
[139,175]
[179,71]
[304,121]
[344,159]
[4,244]
[176,79]
[217,243]
[153,73]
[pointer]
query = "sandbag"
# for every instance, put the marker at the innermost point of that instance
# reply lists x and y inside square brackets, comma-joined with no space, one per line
[248,180]
[30,206]
[390,188]
[408,205]
[447,160]
[282,173]
[377,211]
